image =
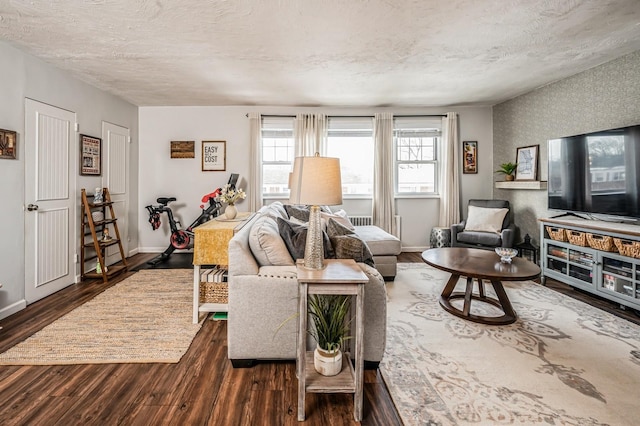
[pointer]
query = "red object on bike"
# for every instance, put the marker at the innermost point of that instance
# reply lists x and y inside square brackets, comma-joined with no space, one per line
[180,239]
[214,194]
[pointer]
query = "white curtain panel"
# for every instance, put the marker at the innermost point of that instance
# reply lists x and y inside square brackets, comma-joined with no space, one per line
[449,172]
[310,134]
[254,190]
[383,192]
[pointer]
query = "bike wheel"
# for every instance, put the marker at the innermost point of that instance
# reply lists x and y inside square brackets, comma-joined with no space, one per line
[180,240]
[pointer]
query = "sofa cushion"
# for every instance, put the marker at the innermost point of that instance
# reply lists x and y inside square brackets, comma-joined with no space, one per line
[275,210]
[299,212]
[480,238]
[380,242]
[294,236]
[266,244]
[347,244]
[483,219]
[339,216]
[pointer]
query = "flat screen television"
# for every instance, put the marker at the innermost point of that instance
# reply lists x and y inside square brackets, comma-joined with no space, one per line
[596,173]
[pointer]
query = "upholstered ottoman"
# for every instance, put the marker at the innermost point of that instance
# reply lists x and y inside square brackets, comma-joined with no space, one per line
[384,247]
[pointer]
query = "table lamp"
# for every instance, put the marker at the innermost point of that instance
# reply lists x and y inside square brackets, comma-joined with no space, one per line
[315,181]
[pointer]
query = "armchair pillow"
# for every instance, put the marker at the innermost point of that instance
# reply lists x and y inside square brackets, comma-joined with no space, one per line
[485,219]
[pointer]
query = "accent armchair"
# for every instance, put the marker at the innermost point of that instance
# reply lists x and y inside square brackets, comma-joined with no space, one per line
[489,224]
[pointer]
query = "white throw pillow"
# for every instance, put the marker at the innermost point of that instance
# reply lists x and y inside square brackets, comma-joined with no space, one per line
[485,219]
[266,244]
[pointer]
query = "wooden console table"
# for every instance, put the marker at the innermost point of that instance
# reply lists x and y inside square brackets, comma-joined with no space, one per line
[211,247]
[340,276]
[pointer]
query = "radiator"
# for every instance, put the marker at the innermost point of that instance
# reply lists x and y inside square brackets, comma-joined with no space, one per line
[368,220]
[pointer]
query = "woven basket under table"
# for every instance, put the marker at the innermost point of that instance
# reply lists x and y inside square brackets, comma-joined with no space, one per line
[214,292]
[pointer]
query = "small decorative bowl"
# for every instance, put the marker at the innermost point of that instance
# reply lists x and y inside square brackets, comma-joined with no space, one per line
[506,254]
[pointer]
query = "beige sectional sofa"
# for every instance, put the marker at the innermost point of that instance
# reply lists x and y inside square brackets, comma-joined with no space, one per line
[263,292]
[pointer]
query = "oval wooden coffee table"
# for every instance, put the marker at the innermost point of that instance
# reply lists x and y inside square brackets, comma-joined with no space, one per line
[481,265]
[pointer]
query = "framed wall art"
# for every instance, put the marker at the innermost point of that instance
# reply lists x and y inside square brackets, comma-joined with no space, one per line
[214,157]
[470,157]
[90,155]
[183,149]
[527,160]
[8,144]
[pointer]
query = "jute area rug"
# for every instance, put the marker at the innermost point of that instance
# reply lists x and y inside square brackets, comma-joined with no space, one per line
[145,318]
[561,363]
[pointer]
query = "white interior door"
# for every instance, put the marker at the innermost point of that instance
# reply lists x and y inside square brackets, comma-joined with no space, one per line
[50,219]
[115,163]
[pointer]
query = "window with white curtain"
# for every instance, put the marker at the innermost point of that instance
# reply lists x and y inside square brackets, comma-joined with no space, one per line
[416,141]
[277,155]
[351,140]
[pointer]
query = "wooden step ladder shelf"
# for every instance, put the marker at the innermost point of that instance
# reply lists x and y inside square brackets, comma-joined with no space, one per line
[92,243]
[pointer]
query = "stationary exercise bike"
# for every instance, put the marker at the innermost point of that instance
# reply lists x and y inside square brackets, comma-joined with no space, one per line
[181,238]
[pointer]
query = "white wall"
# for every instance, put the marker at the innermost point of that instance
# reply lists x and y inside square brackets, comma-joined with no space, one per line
[182,178]
[23,76]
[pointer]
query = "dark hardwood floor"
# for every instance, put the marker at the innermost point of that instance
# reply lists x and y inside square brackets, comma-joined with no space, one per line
[202,389]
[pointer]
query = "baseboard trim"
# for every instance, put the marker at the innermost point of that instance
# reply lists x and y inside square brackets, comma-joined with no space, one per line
[13,308]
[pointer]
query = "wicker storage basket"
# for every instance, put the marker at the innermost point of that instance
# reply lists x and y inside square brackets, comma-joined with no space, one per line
[628,248]
[577,238]
[214,292]
[556,234]
[601,242]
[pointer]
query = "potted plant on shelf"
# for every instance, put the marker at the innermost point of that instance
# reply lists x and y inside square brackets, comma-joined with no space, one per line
[331,323]
[508,169]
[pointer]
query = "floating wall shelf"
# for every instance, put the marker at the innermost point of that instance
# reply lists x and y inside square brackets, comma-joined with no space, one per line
[522,184]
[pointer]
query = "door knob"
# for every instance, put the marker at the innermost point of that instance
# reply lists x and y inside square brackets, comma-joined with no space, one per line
[32,207]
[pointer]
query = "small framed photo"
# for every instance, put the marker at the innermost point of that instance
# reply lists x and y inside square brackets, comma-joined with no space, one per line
[214,157]
[90,155]
[183,149]
[527,160]
[8,144]
[470,157]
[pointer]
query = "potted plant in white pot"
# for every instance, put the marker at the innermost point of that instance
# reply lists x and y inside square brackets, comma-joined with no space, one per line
[331,323]
[508,169]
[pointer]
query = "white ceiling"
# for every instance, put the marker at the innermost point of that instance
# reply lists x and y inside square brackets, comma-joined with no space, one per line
[324,52]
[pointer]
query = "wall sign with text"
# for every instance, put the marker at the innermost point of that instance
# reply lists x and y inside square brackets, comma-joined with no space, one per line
[214,156]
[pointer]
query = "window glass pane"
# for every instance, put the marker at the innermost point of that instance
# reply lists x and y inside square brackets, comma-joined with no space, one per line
[356,163]
[351,140]
[415,149]
[419,178]
[277,154]
[280,150]
[275,178]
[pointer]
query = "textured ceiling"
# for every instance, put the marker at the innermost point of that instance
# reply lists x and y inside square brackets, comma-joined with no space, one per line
[322,53]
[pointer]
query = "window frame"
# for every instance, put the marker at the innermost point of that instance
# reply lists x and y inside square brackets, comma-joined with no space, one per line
[285,130]
[430,126]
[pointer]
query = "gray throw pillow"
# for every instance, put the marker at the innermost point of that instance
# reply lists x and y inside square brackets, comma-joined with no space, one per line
[299,212]
[347,244]
[295,238]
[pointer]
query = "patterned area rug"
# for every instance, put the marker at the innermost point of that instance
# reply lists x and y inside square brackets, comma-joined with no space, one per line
[561,363]
[145,318]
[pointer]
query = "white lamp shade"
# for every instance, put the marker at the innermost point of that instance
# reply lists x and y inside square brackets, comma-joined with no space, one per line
[316,181]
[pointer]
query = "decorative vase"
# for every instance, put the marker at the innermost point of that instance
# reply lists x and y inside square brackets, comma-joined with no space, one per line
[327,363]
[230,212]
[509,178]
